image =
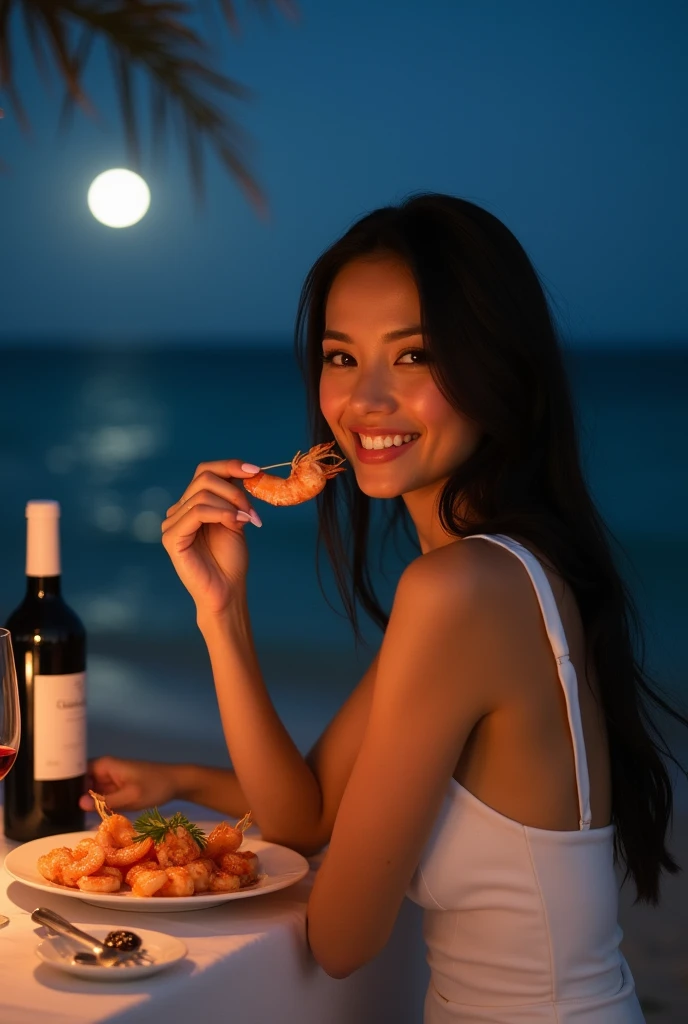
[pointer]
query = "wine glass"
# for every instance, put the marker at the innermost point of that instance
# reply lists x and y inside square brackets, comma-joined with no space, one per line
[9,705]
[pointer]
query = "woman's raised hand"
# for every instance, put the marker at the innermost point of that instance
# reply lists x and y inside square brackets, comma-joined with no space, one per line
[203,534]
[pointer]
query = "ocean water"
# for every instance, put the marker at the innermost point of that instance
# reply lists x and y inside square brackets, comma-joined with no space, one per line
[115,436]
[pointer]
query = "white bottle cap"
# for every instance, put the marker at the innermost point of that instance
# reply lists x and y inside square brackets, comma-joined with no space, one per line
[43,508]
[43,538]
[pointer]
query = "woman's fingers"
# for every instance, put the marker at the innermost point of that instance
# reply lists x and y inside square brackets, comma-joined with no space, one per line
[181,533]
[124,796]
[203,497]
[211,482]
[217,476]
[112,778]
[206,499]
[228,468]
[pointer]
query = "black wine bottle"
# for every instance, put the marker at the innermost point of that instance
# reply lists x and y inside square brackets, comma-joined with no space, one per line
[42,791]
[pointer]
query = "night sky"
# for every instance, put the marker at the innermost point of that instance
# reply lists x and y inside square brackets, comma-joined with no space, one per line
[566,121]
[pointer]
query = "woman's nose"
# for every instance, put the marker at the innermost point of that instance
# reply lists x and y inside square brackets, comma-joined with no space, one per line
[372,392]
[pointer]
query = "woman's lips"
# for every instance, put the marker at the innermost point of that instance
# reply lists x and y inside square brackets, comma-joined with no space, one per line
[371,455]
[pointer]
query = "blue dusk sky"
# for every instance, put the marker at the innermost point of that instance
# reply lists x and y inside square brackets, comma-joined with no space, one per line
[567,121]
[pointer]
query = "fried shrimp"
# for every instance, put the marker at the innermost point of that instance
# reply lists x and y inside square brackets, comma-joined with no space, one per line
[112,872]
[222,881]
[177,848]
[114,830]
[252,861]
[200,872]
[125,856]
[179,883]
[307,478]
[244,865]
[149,881]
[51,864]
[99,882]
[85,861]
[236,863]
[155,856]
[143,865]
[84,844]
[227,839]
[115,836]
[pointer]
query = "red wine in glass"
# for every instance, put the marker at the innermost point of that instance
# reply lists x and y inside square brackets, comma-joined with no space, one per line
[7,756]
[9,705]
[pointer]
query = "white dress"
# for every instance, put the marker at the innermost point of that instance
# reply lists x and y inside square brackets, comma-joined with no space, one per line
[521,923]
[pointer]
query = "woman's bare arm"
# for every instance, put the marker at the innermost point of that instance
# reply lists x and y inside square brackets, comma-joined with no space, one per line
[333,756]
[134,785]
[330,760]
[217,788]
[292,799]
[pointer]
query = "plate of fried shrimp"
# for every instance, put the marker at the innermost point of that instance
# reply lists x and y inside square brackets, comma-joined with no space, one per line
[155,863]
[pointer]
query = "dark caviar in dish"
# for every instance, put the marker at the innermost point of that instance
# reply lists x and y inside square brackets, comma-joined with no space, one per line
[126,941]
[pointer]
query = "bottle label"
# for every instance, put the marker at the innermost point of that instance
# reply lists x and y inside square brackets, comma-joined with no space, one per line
[59,730]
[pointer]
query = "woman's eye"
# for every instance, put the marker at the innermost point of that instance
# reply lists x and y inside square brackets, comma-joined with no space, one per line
[418,352]
[329,357]
[419,357]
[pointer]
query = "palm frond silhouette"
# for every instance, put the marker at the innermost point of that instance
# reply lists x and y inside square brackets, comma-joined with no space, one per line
[147,35]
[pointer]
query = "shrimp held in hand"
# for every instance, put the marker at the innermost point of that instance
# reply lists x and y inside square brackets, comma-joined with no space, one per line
[307,478]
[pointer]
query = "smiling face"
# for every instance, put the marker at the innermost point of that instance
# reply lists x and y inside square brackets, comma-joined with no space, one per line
[376,382]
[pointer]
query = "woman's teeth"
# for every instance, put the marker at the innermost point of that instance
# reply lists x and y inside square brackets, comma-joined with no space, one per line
[387,442]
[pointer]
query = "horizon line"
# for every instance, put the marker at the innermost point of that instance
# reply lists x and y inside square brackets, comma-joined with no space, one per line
[286,342]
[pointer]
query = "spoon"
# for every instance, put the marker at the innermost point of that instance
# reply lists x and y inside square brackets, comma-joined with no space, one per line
[93,951]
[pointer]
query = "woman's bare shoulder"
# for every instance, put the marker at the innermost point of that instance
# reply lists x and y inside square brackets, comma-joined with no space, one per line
[484,595]
[476,566]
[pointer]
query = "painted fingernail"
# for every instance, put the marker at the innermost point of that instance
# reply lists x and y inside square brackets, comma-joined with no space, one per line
[252,517]
[248,467]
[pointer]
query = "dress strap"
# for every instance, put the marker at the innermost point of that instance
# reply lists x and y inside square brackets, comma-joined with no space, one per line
[565,669]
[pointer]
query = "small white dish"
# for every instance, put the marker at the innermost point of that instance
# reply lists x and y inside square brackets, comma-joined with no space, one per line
[164,950]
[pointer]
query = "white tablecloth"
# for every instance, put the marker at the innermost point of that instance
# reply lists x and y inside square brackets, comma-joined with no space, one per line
[247,961]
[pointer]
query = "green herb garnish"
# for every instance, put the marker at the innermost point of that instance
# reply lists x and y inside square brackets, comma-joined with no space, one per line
[152,825]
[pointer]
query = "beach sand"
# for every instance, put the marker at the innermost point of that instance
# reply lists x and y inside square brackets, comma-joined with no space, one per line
[655,939]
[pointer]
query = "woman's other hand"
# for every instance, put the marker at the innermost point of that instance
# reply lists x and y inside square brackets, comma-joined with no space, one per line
[130,785]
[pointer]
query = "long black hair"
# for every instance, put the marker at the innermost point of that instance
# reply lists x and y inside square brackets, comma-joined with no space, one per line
[494,353]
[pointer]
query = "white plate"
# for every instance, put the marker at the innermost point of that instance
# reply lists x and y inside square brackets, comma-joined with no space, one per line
[164,950]
[279,868]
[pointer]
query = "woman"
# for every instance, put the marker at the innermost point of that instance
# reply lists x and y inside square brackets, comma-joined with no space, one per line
[495,757]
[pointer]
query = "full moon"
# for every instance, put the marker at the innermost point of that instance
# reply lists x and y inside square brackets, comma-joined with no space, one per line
[118,198]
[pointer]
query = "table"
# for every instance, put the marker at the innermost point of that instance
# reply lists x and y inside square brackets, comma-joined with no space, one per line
[247,961]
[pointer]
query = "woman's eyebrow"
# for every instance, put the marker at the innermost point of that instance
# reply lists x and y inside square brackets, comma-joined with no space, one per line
[402,332]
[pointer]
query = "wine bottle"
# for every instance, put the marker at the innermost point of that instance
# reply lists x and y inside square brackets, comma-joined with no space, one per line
[42,791]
